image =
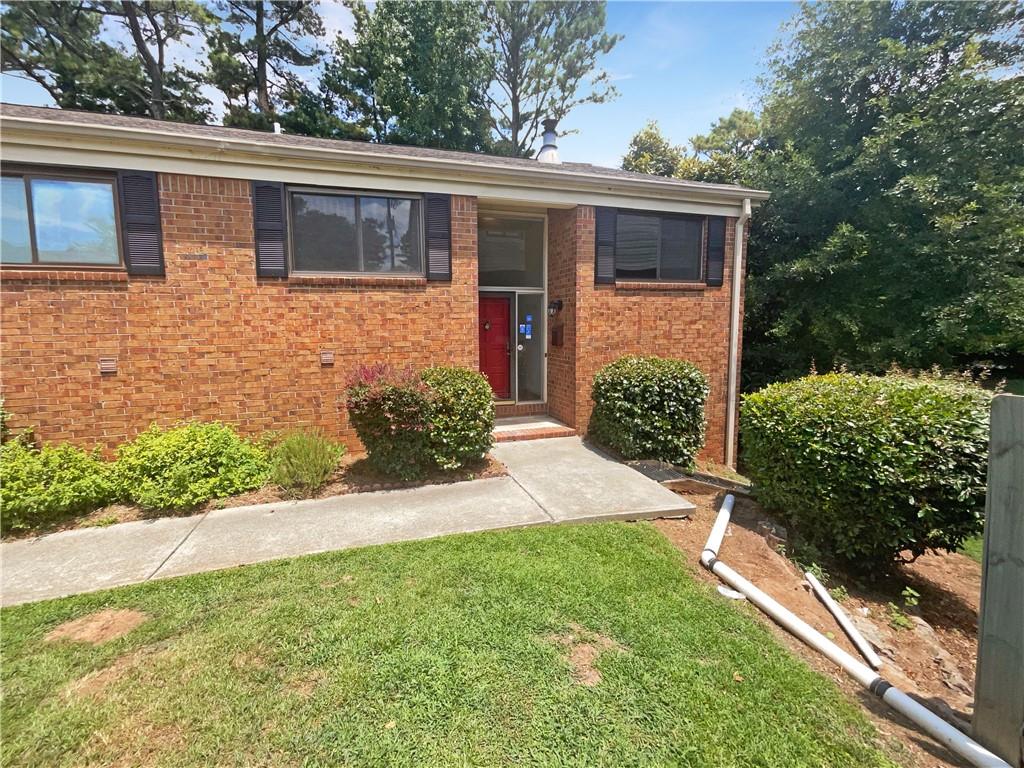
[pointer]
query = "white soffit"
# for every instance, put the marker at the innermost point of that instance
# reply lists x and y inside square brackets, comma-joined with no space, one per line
[100,147]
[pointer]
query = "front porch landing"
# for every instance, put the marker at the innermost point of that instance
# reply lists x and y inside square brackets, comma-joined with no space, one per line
[513,428]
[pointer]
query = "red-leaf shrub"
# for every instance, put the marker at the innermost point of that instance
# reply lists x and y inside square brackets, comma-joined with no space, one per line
[390,410]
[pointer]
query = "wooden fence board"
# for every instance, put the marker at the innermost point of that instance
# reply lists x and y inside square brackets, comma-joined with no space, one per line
[999,686]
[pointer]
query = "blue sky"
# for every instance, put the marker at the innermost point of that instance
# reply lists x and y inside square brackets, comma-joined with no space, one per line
[683,64]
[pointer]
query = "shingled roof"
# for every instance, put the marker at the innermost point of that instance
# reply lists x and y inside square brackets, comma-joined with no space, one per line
[392,151]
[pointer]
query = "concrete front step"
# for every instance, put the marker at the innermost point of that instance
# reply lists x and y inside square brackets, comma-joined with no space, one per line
[514,428]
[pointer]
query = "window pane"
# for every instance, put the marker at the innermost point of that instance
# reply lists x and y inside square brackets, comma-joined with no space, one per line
[15,246]
[681,251]
[324,233]
[636,246]
[511,252]
[391,234]
[74,221]
[530,346]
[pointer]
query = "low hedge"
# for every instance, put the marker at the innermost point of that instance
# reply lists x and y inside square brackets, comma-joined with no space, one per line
[650,408]
[461,415]
[866,467]
[43,486]
[184,466]
[411,423]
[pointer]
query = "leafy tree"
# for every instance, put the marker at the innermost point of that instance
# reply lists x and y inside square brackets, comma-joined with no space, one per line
[545,64]
[413,74]
[737,135]
[650,152]
[314,113]
[61,46]
[894,148]
[253,54]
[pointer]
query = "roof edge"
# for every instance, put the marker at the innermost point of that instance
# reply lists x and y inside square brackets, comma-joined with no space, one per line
[675,189]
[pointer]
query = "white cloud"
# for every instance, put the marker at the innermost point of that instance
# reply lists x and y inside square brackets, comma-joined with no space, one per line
[337,20]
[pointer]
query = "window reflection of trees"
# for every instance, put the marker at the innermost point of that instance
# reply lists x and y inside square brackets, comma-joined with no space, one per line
[324,233]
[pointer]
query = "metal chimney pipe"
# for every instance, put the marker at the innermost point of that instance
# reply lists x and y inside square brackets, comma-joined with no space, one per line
[549,152]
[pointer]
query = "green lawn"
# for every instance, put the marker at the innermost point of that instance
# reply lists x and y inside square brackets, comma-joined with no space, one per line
[973,547]
[426,653]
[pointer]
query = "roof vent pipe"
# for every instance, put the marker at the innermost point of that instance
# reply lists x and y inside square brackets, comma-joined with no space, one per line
[549,152]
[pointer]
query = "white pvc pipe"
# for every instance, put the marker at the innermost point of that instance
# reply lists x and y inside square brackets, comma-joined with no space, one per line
[938,728]
[734,335]
[844,621]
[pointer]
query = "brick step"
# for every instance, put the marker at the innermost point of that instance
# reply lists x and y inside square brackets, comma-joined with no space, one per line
[529,428]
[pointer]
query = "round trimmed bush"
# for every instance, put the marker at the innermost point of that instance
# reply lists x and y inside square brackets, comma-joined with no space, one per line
[461,415]
[390,411]
[41,486]
[650,408]
[184,466]
[866,467]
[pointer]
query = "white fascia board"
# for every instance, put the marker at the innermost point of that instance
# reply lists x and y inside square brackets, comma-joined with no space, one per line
[92,146]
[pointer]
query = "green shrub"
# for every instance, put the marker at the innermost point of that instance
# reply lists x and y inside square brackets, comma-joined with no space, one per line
[650,408]
[461,415]
[865,467]
[390,410]
[182,467]
[4,429]
[42,486]
[302,461]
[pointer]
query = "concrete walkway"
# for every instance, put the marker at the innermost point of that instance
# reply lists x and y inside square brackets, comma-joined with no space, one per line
[550,481]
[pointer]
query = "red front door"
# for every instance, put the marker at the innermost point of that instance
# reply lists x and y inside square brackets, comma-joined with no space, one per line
[495,343]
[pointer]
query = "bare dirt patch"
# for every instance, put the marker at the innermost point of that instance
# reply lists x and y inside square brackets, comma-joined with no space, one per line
[933,661]
[99,627]
[95,684]
[582,648]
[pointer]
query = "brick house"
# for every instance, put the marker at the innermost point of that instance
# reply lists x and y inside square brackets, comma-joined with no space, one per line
[154,271]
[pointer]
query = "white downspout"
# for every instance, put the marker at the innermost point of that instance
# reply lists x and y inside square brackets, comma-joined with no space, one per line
[935,726]
[734,336]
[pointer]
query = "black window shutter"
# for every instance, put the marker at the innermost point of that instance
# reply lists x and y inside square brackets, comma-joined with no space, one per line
[604,245]
[268,213]
[716,250]
[439,236]
[140,222]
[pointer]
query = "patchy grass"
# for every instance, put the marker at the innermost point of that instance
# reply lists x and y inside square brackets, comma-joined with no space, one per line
[973,547]
[709,467]
[565,645]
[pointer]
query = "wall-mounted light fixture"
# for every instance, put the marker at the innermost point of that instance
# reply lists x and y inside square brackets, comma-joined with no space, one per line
[555,307]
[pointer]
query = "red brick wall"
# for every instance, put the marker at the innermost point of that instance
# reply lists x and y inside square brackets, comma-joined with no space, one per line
[562,245]
[211,341]
[615,320]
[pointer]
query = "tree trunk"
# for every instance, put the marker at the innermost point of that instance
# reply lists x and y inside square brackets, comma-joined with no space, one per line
[262,87]
[155,99]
